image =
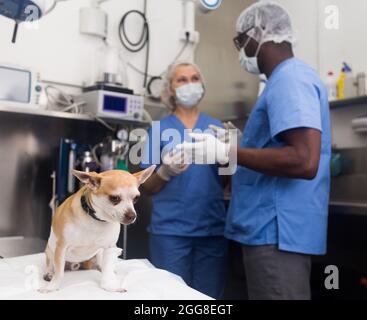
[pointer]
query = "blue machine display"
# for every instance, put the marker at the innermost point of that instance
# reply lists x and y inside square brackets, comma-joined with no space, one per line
[114,105]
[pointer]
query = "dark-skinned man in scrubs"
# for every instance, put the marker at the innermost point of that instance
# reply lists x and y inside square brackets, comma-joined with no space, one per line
[280,190]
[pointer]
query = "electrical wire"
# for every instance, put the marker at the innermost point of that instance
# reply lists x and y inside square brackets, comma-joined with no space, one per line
[125,40]
[178,55]
[53,6]
[148,46]
[99,2]
[147,116]
[67,100]
[69,105]
[139,71]
[64,84]
[94,153]
[142,42]
[66,103]
[104,123]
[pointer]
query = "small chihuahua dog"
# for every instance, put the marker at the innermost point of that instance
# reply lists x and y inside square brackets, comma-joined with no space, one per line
[86,226]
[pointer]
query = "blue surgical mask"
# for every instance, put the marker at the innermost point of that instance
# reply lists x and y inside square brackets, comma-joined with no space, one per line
[250,64]
[189,95]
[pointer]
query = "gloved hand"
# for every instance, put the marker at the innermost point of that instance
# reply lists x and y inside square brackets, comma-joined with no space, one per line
[228,133]
[206,149]
[173,165]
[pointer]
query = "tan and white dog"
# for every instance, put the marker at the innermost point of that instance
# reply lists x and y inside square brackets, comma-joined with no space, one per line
[86,226]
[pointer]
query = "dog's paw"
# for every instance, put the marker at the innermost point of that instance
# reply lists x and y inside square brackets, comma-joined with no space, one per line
[47,276]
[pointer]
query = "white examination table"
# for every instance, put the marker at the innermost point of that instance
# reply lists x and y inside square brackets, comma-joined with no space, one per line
[21,276]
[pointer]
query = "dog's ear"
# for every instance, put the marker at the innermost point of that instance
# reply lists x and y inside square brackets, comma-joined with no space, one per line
[91,179]
[142,176]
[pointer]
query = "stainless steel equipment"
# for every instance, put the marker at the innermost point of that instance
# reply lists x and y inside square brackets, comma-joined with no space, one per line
[108,96]
[361,84]
[110,67]
[88,164]
[109,152]
[348,188]
[29,147]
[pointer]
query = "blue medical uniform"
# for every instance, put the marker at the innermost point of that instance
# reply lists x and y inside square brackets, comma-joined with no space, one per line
[188,218]
[289,213]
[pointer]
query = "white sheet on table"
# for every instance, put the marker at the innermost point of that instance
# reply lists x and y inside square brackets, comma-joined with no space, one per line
[20,276]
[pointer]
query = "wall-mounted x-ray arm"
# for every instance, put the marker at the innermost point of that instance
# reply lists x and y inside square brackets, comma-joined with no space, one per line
[25,10]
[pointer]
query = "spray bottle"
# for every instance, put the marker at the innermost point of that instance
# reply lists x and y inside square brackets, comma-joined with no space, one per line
[346,70]
[331,85]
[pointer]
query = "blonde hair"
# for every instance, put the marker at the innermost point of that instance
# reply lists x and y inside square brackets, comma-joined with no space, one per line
[167,97]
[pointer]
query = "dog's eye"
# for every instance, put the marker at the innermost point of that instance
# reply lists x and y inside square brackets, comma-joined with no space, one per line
[136,199]
[115,199]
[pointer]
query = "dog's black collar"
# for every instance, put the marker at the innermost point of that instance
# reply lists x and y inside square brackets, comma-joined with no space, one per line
[88,209]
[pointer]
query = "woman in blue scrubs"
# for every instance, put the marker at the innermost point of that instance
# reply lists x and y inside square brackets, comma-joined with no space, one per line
[188,218]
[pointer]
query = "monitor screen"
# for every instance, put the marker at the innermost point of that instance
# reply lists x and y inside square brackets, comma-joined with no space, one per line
[15,85]
[115,104]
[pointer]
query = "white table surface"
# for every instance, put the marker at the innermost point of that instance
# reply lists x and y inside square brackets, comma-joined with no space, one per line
[20,278]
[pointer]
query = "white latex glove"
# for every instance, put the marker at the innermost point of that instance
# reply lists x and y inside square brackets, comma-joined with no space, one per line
[173,165]
[228,133]
[206,149]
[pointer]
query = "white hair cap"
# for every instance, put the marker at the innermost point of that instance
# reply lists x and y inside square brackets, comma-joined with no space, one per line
[266,21]
[167,97]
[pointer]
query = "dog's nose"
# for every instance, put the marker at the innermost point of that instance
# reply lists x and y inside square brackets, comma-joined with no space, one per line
[130,216]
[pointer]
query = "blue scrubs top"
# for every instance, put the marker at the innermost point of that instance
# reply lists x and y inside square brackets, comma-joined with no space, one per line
[192,203]
[290,213]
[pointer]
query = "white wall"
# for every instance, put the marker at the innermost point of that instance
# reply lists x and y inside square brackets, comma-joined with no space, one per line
[305,24]
[325,49]
[60,53]
[348,42]
[231,92]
